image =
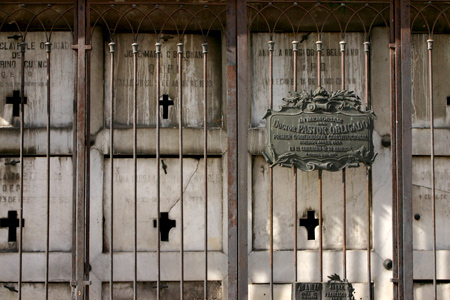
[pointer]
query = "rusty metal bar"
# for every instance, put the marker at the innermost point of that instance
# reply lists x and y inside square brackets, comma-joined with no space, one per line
[433,171]
[158,170]
[205,160]
[393,172]
[135,47]
[81,130]
[271,49]
[404,157]
[242,147]
[112,50]
[369,174]
[180,139]
[232,158]
[320,227]
[319,45]
[88,155]
[23,47]
[295,49]
[48,46]
[342,45]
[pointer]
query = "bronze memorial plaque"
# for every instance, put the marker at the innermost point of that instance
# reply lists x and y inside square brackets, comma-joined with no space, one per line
[334,289]
[320,130]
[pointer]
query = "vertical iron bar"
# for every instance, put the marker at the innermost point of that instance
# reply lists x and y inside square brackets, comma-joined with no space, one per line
[433,181]
[81,130]
[205,160]
[406,151]
[112,50]
[88,155]
[320,227]
[344,188]
[271,49]
[180,137]
[135,53]
[369,173]
[319,45]
[242,147]
[23,46]
[48,46]
[295,49]
[158,170]
[232,158]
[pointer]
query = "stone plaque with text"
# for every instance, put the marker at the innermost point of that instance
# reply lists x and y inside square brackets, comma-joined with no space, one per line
[320,130]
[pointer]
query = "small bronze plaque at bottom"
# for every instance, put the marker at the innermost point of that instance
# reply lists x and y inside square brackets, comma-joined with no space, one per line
[332,290]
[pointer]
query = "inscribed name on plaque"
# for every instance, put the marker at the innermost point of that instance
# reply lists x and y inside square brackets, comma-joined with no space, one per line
[193,82]
[331,290]
[35,203]
[283,67]
[320,130]
[35,80]
[170,221]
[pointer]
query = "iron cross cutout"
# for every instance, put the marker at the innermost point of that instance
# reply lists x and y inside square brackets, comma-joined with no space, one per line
[310,223]
[165,224]
[166,102]
[15,101]
[12,223]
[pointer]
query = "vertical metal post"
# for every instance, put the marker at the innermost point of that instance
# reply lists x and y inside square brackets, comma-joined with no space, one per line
[180,140]
[319,45]
[232,158]
[48,46]
[205,161]
[242,147]
[369,174]
[271,49]
[158,170]
[433,172]
[23,47]
[344,188]
[112,50]
[295,49]
[135,53]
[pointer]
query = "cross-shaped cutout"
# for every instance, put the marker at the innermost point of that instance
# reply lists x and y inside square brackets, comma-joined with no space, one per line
[166,102]
[12,223]
[15,101]
[310,223]
[165,224]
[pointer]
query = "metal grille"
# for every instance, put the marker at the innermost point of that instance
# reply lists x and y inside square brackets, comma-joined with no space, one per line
[234,26]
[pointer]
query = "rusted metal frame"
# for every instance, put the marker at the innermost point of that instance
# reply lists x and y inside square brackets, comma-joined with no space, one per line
[80,246]
[404,152]
[88,155]
[232,158]
[180,143]
[271,49]
[23,47]
[295,50]
[319,45]
[112,50]
[158,170]
[433,171]
[47,244]
[242,147]
[135,53]
[205,168]
[369,172]
[342,45]
[393,131]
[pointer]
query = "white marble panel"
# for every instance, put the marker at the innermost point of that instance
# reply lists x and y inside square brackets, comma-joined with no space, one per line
[170,202]
[146,79]
[35,202]
[307,67]
[62,76]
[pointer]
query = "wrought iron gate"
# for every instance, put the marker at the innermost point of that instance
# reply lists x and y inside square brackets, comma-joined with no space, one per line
[82,121]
